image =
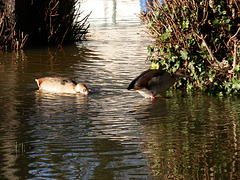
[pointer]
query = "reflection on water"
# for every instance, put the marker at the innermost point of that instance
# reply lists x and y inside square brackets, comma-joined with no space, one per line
[85,139]
[112,133]
[193,136]
[112,12]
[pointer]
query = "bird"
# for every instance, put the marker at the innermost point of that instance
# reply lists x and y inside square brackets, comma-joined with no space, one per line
[61,85]
[152,82]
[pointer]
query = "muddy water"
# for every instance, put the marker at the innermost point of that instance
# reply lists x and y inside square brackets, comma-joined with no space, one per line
[112,133]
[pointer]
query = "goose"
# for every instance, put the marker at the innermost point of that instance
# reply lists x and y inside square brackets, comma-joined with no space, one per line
[152,82]
[61,85]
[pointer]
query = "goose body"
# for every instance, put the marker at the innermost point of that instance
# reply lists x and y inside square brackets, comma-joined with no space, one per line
[61,85]
[152,82]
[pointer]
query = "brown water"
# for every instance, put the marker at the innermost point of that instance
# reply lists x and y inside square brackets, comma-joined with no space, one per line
[112,133]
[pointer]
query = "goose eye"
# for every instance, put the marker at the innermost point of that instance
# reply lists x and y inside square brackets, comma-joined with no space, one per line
[84,90]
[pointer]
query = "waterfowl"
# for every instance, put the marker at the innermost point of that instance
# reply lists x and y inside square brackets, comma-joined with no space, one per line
[153,82]
[61,85]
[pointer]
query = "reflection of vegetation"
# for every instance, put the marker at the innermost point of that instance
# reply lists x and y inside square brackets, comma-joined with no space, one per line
[196,138]
[200,36]
[22,147]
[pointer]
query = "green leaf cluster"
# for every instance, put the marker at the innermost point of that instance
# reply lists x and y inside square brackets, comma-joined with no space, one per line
[200,38]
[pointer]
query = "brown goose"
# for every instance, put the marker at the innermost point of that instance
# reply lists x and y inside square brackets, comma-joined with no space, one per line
[61,85]
[153,82]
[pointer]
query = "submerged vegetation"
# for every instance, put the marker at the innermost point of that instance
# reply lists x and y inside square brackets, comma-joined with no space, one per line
[42,22]
[202,37]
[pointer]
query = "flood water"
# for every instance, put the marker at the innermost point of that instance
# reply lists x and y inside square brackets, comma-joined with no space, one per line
[112,133]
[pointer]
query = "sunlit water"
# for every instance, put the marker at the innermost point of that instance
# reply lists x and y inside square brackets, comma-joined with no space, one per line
[112,133]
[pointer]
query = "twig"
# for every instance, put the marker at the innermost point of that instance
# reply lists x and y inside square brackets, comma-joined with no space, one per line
[60,45]
[231,38]
[234,64]
[24,41]
[207,47]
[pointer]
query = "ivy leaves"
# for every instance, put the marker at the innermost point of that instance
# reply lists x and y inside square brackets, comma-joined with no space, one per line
[198,37]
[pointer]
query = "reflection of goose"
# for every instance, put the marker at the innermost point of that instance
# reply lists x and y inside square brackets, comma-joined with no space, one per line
[61,85]
[152,82]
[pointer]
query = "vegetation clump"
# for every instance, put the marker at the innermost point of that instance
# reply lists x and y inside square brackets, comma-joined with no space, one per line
[44,22]
[200,36]
[10,38]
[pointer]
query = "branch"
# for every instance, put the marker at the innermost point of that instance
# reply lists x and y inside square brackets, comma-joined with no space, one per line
[231,38]
[208,48]
[234,64]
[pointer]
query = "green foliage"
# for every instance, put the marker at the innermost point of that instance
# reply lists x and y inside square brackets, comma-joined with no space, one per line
[199,37]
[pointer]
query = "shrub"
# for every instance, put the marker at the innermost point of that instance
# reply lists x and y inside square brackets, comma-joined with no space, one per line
[10,38]
[200,36]
[51,22]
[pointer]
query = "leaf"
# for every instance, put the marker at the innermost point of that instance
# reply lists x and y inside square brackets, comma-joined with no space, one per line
[177,47]
[185,24]
[164,36]
[169,29]
[176,66]
[229,27]
[150,49]
[216,21]
[154,65]
[189,86]
[184,54]
[211,75]
[237,68]
[228,21]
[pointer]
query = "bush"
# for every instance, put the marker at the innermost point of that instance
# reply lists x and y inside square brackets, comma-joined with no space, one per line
[10,38]
[51,22]
[200,36]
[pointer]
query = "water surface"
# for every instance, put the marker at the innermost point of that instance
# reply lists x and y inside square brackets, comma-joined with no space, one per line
[113,133]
